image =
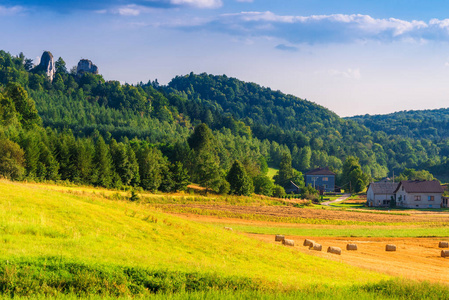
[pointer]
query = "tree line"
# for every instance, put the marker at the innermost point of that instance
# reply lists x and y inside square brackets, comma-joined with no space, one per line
[249,127]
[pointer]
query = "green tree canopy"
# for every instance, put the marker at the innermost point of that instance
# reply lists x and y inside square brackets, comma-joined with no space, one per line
[24,106]
[286,173]
[240,182]
[412,174]
[12,160]
[263,185]
[352,175]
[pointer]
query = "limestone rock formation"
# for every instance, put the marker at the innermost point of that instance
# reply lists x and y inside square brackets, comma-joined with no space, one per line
[86,65]
[47,64]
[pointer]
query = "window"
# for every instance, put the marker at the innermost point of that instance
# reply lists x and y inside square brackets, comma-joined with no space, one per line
[325,179]
[417,198]
[431,198]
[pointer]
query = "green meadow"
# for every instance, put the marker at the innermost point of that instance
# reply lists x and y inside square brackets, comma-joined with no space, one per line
[347,231]
[64,246]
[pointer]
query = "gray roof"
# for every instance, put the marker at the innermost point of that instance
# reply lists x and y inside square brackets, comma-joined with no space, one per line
[425,186]
[383,187]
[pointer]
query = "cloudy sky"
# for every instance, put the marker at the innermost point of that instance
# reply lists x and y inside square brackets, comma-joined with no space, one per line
[351,56]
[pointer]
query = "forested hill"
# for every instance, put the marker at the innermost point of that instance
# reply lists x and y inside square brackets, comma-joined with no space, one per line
[249,123]
[269,114]
[417,124]
[252,103]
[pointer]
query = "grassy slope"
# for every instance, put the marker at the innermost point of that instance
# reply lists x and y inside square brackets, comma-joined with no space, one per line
[35,223]
[272,172]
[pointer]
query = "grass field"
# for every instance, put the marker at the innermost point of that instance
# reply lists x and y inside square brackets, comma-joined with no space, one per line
[272,172]
[344,231]
[95,243]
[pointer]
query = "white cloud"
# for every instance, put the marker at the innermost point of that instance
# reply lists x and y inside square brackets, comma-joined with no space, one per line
[349,73]
[12,10]
[335,28]
[129,11]
[198,3]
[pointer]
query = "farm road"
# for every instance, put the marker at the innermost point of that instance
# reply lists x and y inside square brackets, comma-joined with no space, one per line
[342,198]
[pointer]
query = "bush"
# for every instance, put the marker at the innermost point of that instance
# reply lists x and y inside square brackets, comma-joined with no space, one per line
[278,191]
[263,185]
[12,160]
[53,276]
[309,193]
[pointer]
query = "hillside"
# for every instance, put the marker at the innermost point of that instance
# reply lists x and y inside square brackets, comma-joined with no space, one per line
[249,123]
[76,241]
[417,124]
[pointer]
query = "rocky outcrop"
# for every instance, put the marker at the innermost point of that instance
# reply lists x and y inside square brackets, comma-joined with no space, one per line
[47,65]
[86,65]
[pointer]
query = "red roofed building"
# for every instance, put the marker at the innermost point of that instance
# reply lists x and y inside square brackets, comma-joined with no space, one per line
[419,194]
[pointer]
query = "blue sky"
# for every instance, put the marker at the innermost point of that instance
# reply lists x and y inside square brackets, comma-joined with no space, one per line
[353,57]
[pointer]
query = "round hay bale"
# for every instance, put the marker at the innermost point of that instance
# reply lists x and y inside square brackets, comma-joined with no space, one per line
[444,253]
[443,244]
[334,250]
[288,242]
[228,228]
[316,247]
[351,247]
[390,247]
[308,242]
[279,238]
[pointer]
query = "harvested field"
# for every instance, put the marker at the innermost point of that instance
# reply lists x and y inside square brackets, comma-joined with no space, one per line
[308,213]
[415,258]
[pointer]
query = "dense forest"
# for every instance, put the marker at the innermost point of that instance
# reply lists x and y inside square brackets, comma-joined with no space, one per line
[216,131]
[417,124]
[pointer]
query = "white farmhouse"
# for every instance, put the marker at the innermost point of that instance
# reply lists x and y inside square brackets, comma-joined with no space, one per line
[419,194]
[380,193]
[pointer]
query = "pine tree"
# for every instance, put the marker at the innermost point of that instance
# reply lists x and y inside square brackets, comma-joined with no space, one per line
[151,167]
[133,166]
[207,171]
[102,173]
[206,165]
[240,183]
[25,107]
[180,176]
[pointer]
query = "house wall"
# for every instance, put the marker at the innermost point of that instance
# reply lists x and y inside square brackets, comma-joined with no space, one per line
[377,199]
[407,200]
[370,197]
[321,183]
[444,201]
